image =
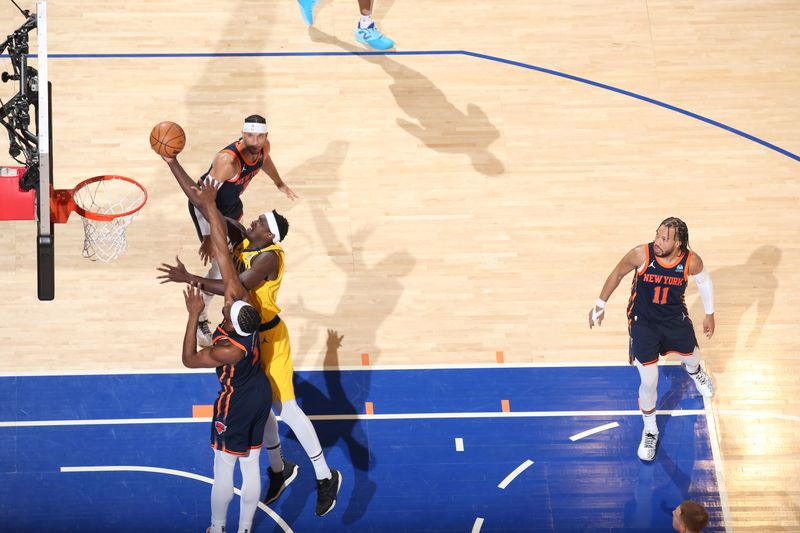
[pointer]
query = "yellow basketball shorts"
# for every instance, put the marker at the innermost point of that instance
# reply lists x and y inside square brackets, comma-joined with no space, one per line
[276,361]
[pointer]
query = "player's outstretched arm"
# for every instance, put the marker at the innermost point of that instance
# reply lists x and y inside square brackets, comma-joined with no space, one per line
[211,356]
[630,261]
[223,169]
[272,172]
[233,286]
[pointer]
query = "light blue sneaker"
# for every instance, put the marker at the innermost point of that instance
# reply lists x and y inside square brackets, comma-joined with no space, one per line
[373,38]
[307,10]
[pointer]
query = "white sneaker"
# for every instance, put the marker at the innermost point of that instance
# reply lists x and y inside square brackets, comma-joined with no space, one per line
[647,447]
[203,333]
[703,382]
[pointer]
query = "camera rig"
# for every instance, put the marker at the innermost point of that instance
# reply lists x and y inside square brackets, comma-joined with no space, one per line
[15,114]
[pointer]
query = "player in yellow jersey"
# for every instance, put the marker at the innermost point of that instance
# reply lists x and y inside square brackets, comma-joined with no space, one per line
[261,257]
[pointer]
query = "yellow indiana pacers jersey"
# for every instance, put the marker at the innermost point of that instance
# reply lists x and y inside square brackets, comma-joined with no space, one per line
[265,294]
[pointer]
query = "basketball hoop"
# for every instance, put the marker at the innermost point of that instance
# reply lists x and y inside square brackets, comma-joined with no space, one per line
[107,205]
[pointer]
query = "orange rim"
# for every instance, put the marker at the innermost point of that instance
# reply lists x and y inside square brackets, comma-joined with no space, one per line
[101,217]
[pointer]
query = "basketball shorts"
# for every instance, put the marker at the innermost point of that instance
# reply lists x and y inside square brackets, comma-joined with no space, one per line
[240,416]
[202,226]
[276,360]
[649,340]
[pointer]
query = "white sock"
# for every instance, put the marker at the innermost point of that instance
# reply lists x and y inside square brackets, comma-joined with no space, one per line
[251,489]
[365,22]
[304,431]
[321,469]
[692,362]
[650,425]
[222,490]
[216,528]
[272,442]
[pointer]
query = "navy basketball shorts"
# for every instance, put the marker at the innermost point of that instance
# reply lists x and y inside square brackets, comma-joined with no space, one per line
[239,419]
[201,226]
[650,340]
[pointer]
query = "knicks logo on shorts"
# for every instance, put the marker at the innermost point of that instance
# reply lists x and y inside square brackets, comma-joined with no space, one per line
[220,427]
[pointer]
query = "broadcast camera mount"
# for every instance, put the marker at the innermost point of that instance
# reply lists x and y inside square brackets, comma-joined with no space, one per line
[15,114]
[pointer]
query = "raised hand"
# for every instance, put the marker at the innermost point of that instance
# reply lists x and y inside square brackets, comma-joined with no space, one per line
[174,274]
[193,299]
[206,251]
[206,195]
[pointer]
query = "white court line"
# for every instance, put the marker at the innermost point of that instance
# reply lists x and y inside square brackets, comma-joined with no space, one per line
[716,454]
[517,471]
[399,416]
[744,412]
[313,368]
[598,429]
[179,473]
[476,527]
[459,444]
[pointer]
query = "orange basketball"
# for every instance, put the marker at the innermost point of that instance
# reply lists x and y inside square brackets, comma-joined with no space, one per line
[167,139]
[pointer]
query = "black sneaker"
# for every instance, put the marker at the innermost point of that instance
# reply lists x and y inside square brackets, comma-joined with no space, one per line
[278,482]
[327,490]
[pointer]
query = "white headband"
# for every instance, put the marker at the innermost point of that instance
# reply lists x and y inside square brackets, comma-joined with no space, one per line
[236,308]
[254,127]
[273,225]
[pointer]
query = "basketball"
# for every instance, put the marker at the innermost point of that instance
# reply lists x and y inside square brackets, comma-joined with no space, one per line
[167,139]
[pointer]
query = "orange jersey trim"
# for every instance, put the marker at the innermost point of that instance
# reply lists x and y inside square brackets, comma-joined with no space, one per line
[230,392]
[686,270]
[676,353]
[646,261]
[235,160]
[226,450]
[240,146]
[673,265]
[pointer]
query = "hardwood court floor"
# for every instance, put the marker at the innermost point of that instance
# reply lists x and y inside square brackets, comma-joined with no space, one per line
[452,206]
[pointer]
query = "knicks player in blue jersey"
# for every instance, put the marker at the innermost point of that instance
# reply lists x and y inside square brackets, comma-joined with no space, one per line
[658,322]
[243,403]
[232,170]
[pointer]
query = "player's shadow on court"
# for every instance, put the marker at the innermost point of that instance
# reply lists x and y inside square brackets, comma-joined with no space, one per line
[737,289]
[437,123]
[335,400]
[317,181]
[202,99]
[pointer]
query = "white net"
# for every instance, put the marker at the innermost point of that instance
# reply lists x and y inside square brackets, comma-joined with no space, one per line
[105,240]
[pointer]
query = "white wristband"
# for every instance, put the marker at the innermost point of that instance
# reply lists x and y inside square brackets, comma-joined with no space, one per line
[598,304]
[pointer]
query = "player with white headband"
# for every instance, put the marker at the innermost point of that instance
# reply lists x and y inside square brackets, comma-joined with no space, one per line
[231,171]
[243,402]
[261,258]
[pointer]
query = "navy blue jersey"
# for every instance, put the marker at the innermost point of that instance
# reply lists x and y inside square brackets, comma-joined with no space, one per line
[243,403]
[657,292]
[240,375]
[228,201]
